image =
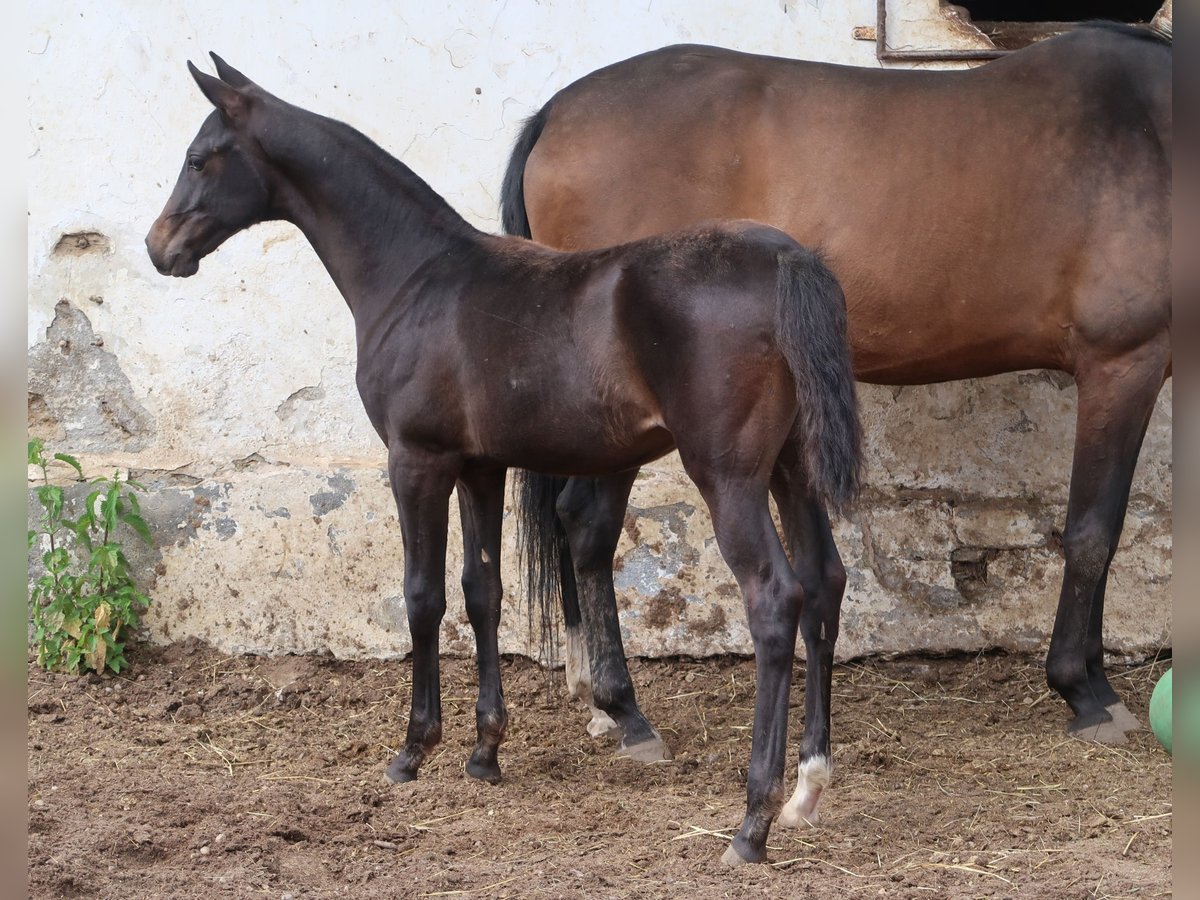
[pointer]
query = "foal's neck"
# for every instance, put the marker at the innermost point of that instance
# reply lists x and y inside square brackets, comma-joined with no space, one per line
[370,218]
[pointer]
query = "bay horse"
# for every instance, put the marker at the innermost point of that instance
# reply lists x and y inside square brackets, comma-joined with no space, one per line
[1011,216]
[480,352]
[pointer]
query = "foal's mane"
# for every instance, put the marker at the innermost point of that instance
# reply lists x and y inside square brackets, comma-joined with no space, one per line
[385,166]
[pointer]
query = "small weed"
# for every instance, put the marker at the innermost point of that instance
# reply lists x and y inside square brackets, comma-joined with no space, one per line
[82,610]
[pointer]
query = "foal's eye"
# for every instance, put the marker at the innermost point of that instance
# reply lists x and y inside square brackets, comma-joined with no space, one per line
[195,163]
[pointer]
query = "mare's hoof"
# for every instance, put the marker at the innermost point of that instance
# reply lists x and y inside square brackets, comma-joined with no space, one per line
[398,772]
[1123,718]
[739,853]
[652,750]
[1097,732]
[484,771]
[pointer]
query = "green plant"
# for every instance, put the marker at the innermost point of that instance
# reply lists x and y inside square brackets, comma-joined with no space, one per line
[87,601]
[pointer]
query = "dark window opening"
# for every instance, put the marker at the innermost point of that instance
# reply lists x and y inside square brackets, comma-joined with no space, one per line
[1012,24]
[1134,11]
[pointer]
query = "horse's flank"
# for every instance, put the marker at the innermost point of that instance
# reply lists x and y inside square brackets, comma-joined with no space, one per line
[1015,165]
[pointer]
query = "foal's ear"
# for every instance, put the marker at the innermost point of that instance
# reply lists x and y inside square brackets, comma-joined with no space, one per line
[228,73]
[230,101]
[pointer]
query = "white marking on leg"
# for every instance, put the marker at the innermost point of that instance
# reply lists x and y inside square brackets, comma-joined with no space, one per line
[579,683]
[579,669]
[814,775]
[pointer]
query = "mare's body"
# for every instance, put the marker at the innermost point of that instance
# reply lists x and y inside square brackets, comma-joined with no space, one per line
[1012,216]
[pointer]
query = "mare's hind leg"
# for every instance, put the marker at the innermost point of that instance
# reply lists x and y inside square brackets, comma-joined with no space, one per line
[578,662]
[592,511]
[422,485]
[1116,398]
[481,505]
[818,565]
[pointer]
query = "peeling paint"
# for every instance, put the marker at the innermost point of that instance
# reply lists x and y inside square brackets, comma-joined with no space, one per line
[325,502]
[78,394]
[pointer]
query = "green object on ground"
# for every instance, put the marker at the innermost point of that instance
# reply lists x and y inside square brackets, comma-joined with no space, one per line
[1160,710]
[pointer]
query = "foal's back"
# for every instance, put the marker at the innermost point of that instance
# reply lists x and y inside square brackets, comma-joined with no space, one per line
[583,362]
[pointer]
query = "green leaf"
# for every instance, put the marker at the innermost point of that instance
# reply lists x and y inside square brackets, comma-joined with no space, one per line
[51,498]
[57,560]
[88,517]
[33,536]
[138,524]
[53,621]
[35,448]
[82,532]
[105,560]
[111,507]
[70,461]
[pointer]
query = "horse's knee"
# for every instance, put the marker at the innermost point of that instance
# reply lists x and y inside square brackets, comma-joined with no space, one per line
[591,534]
[482,591]
[1088,549]
[425,603]
[834,580]
[774,610]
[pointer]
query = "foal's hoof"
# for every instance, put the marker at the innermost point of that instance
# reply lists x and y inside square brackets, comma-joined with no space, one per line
[399,772]
[651,750]
[739,853]
[1106,732]
[484,770]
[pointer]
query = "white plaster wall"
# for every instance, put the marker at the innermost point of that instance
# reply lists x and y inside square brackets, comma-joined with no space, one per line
[233,391]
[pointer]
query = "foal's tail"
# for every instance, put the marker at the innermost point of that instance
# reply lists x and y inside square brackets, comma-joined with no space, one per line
[810,321]
[541,538]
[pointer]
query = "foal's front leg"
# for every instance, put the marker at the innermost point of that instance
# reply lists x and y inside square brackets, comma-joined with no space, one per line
[422,483]
[481,505]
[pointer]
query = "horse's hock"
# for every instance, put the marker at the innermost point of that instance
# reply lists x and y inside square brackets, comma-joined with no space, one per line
[275,526]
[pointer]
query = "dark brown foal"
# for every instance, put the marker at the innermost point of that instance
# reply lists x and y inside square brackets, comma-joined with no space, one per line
[477,353]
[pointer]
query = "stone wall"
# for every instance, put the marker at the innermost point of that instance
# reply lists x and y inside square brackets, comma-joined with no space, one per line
[232,394]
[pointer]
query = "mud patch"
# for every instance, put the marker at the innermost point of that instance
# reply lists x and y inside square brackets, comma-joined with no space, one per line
[665,608]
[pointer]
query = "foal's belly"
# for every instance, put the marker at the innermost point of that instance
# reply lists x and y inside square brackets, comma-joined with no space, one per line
[584,446]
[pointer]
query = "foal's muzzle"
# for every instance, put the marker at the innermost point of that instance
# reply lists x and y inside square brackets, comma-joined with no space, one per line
[164,244]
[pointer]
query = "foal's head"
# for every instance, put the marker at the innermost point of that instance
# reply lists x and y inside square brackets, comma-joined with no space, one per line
[224,186]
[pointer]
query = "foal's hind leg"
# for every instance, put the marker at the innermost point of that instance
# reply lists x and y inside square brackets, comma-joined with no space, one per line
[1116,398]
[592,511]
[734,485]
[481,505]
[818,565]
[774,597]
[422,486]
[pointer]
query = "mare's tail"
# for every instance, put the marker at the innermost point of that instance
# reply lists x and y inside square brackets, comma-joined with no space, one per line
[810,320]
[512,190]
[545,557]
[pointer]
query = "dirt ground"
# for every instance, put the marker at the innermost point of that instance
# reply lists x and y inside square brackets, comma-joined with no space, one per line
[204,775]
